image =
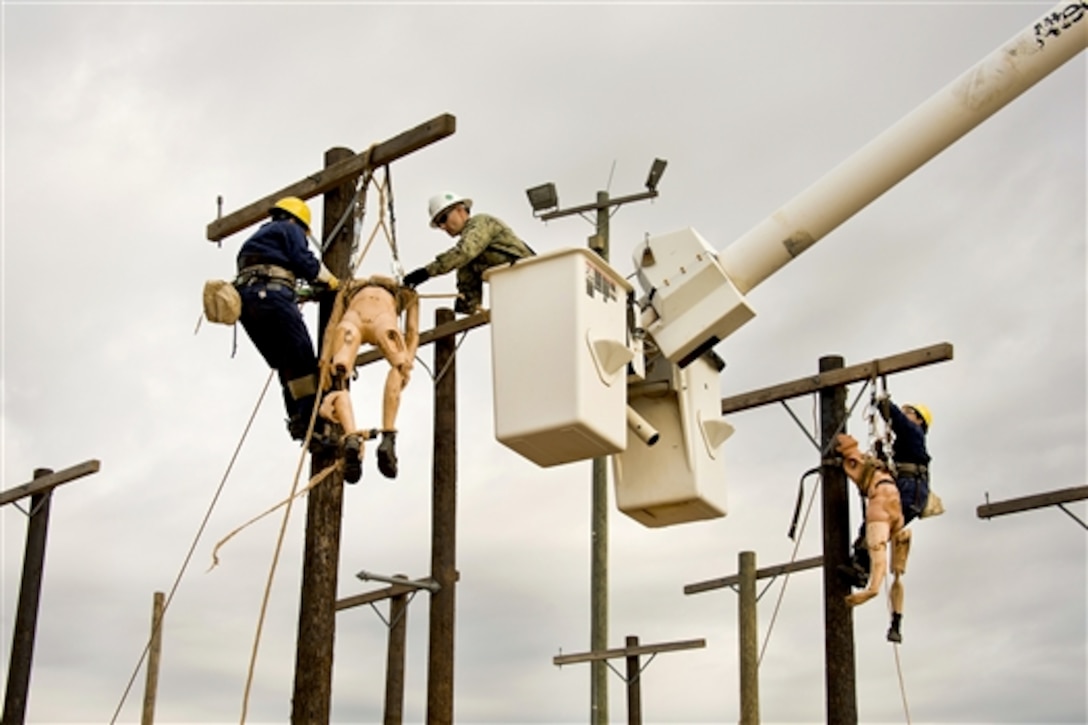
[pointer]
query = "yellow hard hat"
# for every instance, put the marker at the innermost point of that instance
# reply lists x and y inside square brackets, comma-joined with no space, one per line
[295,207]
[923,411]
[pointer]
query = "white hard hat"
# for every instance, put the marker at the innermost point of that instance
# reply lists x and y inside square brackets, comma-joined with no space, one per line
[444,201]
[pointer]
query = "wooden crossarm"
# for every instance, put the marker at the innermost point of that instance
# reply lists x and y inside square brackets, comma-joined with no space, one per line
[629,651]
[842,376]
[768,571]
[380,154]
[1025,503]
[50,481]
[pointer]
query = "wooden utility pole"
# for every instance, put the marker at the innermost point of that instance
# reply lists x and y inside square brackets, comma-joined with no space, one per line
[394,659]
[748,634]
[443,529]
[598,595]
[40,491]
[634,683]
[312,699]
[26,615]
[151,686]
[839,677]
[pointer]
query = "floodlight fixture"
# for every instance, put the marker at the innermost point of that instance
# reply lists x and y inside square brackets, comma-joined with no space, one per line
[543,197]
[656,170]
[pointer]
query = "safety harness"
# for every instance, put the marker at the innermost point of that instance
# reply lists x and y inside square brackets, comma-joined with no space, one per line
[254,273]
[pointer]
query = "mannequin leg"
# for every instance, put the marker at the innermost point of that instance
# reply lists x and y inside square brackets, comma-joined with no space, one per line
[876,536]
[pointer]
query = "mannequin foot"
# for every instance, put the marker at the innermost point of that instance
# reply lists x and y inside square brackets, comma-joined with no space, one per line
[860,597]
[387,454]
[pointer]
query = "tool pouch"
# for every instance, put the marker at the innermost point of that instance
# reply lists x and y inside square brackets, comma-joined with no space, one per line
[934,506]
[222,303]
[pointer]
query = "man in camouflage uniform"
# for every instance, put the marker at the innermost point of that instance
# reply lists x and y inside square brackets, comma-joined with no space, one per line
[484,242]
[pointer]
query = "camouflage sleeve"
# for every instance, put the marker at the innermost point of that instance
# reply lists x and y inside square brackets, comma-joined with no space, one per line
[475,238]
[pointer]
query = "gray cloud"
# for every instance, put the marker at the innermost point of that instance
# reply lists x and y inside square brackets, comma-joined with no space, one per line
[123,123]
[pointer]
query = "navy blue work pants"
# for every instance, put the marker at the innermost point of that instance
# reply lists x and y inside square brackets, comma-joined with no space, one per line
[913,494]
[271,318]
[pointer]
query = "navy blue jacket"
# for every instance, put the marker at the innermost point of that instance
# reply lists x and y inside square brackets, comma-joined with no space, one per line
[910,439]
[282,243]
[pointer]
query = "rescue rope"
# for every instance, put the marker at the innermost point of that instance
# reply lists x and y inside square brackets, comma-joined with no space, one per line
[358,208]
[276,555]
[380,225]
[295,494]
[192,547]
[898,664]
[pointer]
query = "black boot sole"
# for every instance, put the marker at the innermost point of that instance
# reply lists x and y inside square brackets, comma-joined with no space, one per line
[353,460]
[855,577]
[387,460]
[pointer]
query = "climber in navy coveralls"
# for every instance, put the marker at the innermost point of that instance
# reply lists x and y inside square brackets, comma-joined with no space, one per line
[269,263]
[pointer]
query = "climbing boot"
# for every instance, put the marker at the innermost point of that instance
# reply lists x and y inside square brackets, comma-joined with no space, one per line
[353,458]
[387,454]
[854,574]
[323,440]
[893,631]
[861,558]
[296,426]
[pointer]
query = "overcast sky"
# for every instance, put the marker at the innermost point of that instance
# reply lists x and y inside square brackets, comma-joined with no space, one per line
[123,122]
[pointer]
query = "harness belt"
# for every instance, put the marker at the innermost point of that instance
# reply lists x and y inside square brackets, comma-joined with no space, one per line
[912,469]
[870,476]
[265,273]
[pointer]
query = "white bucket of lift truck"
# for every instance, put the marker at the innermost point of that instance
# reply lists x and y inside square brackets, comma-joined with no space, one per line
[681,478]
[559,356]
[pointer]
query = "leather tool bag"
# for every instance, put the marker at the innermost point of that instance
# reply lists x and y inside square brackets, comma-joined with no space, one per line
[222,303]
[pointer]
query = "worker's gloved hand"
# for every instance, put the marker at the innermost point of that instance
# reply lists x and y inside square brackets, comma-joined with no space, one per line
[416,277]
[333,283]
[883,397]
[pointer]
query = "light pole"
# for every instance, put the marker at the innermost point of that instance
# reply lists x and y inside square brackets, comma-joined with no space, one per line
[544,200]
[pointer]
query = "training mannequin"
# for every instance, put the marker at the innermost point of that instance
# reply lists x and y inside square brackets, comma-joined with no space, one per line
[373,306]
[884,525]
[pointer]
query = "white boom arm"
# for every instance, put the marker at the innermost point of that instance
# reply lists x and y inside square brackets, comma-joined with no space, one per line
[1000,77]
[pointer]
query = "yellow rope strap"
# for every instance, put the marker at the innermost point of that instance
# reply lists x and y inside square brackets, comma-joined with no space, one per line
[313,482]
